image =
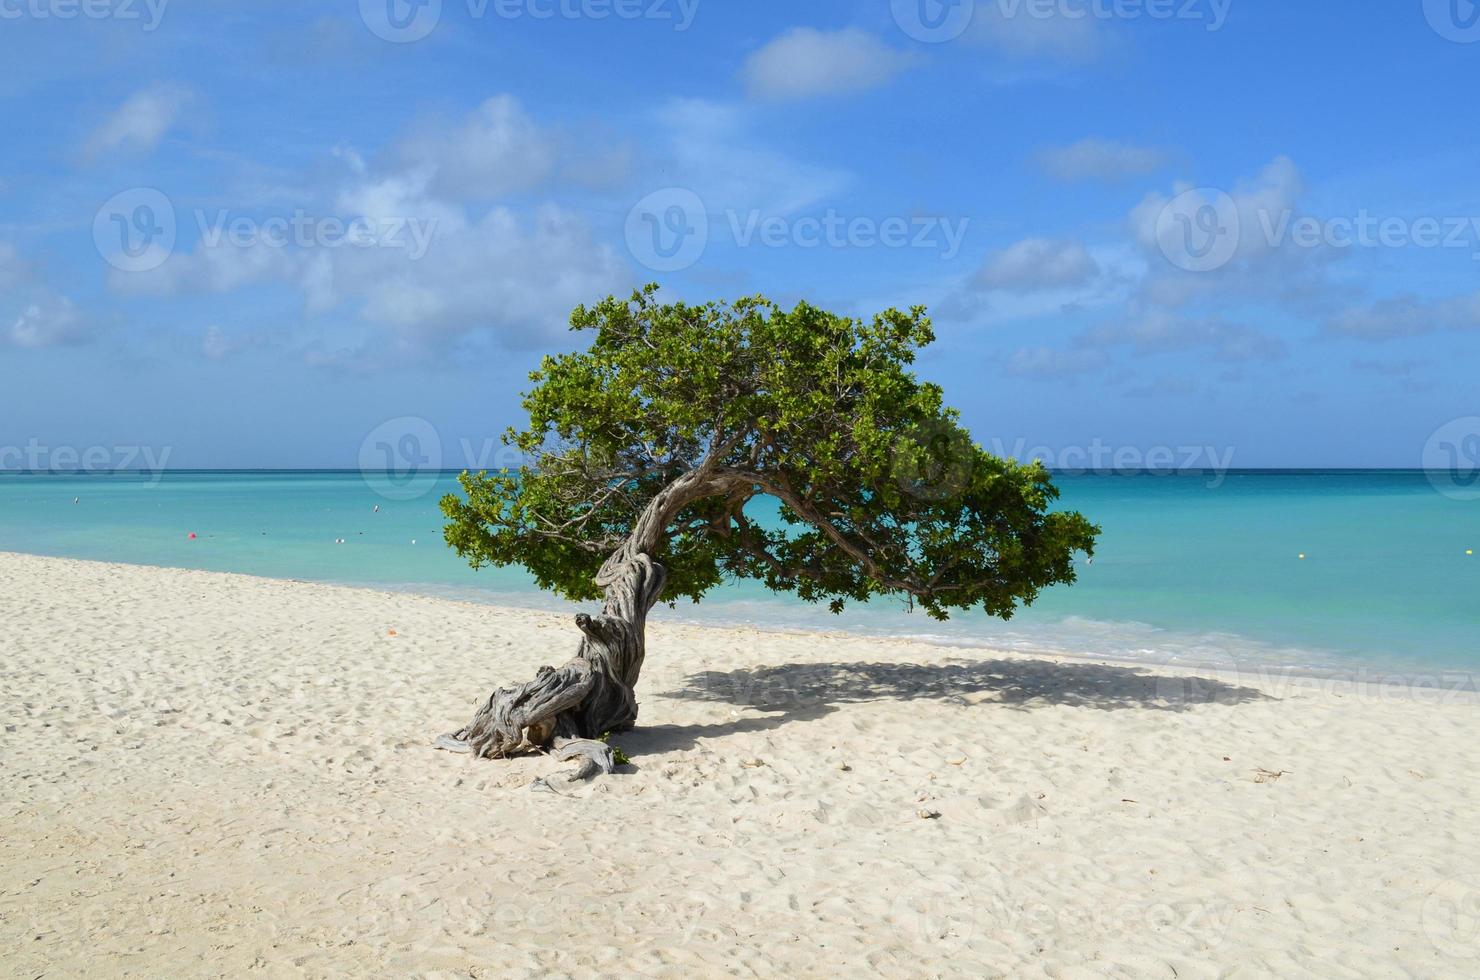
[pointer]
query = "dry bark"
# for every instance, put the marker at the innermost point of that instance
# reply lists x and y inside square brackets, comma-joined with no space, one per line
[593,693]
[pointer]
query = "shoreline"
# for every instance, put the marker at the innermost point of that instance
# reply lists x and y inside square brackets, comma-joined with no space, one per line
[1359,674]
[208,773]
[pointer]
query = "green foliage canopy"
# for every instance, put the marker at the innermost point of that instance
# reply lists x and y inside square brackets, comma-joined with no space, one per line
[685,413]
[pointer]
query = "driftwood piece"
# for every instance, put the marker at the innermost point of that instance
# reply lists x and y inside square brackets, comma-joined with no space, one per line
[596,758]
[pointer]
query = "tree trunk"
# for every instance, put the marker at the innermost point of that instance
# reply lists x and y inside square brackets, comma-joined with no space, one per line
[594,692]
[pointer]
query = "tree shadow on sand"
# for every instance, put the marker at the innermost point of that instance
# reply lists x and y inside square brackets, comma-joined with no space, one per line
[799,691]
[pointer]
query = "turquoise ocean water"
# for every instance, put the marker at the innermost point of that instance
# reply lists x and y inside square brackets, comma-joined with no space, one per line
[1187,571]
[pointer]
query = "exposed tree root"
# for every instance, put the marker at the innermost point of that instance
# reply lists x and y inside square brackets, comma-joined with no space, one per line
[597,758]
[568,707]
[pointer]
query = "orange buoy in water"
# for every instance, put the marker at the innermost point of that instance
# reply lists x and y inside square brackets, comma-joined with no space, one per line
[191,535]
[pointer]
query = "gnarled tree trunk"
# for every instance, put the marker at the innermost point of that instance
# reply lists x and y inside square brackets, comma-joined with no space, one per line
[591,694]
[594,692]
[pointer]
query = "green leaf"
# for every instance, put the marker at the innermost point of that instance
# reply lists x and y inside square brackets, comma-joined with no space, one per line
[883,492]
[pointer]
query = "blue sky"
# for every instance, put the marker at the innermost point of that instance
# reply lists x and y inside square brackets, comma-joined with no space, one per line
[268,233]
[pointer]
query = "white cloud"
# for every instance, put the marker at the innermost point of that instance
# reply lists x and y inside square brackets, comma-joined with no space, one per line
[466,265]
[1263,267]
[1160,331]
[220,344]
[1038,263]
[1233,312]
[51,322]
[497,150]
[710,150]
[1049,362]
[1179,309]
[602,166]
[1171,309]
[1097,159]
[1406,316]
[513,278]
[516,277]
[40,316]
[216,345]
[1257,202]
[220,268]
[439,271]
[1165,386]
[12,268]
[804,62]
[1027,30]
[137,126]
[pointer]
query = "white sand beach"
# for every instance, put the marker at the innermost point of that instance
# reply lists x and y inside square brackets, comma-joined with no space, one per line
[218,775]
